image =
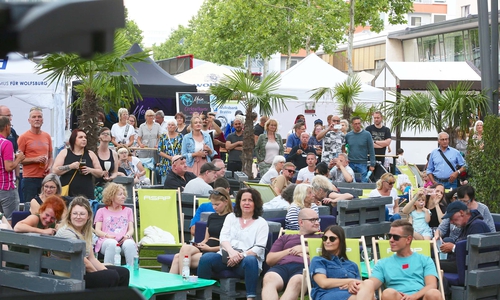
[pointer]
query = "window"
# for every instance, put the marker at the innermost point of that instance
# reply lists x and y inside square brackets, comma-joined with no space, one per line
[416,21]
[465,10]
[439,18]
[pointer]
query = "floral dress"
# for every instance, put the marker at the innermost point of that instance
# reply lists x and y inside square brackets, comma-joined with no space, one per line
[170,147]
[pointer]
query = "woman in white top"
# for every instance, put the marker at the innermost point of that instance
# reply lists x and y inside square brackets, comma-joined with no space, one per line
[131,165]
[122,133]
[243,241]
[274,171]
[385,188]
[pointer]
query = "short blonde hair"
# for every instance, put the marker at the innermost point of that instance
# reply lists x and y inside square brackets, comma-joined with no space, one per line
[383,178]
[121,111]
[300,193]
[110,191]
[269,122]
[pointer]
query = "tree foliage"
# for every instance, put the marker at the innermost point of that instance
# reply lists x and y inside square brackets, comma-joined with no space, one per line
[251,94]
[345,93]
[177,44]
[482,164]
[434,109]
[104,82]
[132,32]
[229,31]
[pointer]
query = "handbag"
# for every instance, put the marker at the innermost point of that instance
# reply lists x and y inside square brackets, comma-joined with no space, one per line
[65,188]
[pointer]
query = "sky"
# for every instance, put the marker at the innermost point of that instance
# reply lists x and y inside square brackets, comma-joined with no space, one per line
[157,18]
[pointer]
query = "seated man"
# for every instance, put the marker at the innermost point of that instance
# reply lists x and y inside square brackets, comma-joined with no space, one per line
[179,176]
[306,174]
[406,274]
[286,262]
[283,180]
[201,184]
[470,221]
[467,195]
[340,170]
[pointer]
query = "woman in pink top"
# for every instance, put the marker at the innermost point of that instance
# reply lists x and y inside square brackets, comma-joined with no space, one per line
[114,225]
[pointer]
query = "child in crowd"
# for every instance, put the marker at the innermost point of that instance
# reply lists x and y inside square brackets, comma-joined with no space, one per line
[400,161]
[427,180]
[420,218]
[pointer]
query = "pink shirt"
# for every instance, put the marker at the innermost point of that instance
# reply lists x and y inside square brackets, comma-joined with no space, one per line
[6,153]
[113,222]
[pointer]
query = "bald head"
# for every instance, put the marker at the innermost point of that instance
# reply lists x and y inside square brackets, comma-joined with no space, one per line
[308,221]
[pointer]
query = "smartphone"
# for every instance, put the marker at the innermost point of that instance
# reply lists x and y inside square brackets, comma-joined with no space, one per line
[337,126]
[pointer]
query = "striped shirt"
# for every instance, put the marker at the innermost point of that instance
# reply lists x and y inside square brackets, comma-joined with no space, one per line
[292,216]
[6,154]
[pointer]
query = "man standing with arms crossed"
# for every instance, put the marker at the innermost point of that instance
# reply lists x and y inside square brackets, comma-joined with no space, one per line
[360,146]
[381,136]
[37,147]
[9,198]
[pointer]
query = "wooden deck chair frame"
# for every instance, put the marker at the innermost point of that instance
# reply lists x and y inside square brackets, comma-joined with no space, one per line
[265,190]
[351,246]
[179,216]
[424,247]
[287,231]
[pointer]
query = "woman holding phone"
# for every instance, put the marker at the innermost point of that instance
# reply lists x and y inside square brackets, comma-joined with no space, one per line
[77,166]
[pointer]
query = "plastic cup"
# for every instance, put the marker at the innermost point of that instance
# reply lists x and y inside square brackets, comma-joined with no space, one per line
[193,279]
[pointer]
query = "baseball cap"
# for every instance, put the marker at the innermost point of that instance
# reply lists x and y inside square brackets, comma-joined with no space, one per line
[238,112]
[318,121]
[177,157]
[453,208]
[208,167]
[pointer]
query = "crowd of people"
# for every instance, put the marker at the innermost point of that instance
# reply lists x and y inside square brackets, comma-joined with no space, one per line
[194,156]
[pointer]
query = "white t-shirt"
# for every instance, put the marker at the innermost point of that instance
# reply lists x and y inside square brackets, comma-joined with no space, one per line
[118,132]
[305,175]
[198,186]
[270,174]
[394,195]
[135,162]
[337,176]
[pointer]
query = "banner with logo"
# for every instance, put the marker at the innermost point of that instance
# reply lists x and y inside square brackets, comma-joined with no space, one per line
[189,103]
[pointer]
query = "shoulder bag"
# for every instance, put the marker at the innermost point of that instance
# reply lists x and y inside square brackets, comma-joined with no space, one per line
[65,188]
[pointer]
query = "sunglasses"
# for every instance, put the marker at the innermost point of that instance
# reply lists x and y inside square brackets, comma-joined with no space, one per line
[396,237]
[331,238]
[215,192]
[391,182]
[336,121]
[178,158]
[290,171]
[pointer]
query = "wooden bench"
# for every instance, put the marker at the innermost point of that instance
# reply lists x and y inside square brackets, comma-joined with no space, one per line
[33,277]
[363,217]
[482,278]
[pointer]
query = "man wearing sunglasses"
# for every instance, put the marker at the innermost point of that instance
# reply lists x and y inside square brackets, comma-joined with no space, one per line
[283,180]
[407,275]
[285,259]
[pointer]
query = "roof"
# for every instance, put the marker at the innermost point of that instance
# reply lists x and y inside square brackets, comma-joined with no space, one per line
[152,81]
[416,75]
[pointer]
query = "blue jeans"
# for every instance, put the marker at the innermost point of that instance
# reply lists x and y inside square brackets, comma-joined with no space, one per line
[248,269]
[31,188]
[391,218]
[447,185]
[360,168]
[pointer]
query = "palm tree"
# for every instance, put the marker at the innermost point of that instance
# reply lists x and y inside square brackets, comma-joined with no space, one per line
[345,94]
[442,110]
[104,82]
[243,88]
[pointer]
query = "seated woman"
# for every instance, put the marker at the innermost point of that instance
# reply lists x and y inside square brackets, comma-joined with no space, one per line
[333,275]
[44,222]
[385,188]
[303,196]
[131,166]
[243,240]
[114,225]
[274,171]
[51,185]
[77,224]
[221,202]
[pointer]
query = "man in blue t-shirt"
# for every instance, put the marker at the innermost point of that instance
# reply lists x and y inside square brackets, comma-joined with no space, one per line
[406,274]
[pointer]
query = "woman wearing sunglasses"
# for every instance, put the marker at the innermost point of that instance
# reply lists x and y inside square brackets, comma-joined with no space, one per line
[385,188]
[221,203]
[333,275]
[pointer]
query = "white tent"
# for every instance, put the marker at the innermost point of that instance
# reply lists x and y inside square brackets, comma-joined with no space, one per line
[22,88]
[312,72]
[204,75]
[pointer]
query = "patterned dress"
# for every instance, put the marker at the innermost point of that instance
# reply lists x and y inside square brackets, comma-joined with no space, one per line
[170,147]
